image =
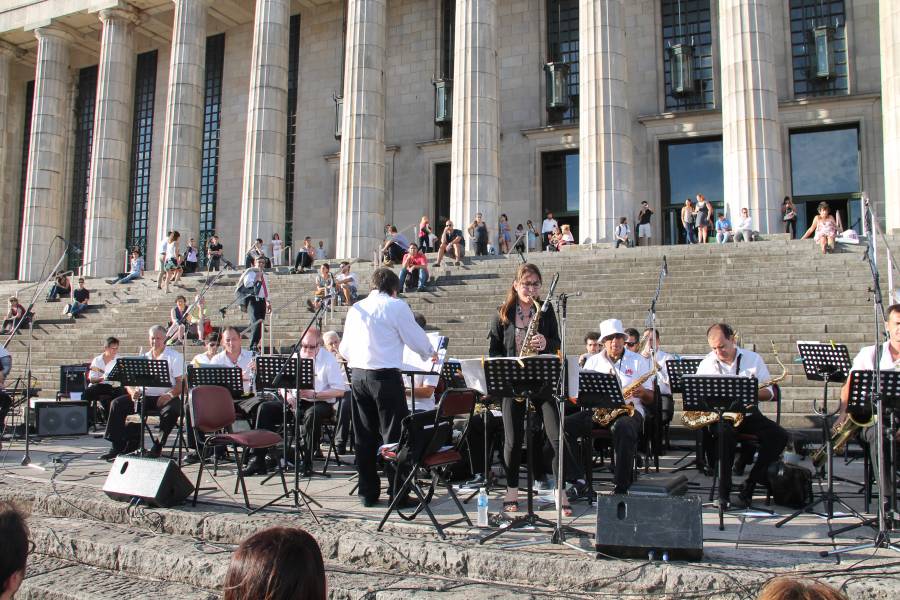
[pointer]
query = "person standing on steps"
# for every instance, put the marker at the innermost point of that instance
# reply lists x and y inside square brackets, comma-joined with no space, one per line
[644,230]
[478,231]
[547,228]
[258,305]
[789,217]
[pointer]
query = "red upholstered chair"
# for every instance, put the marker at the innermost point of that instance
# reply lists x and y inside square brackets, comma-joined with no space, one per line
[212,413]
[426,449]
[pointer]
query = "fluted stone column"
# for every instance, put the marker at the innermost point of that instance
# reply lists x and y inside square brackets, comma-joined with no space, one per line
[45,204]
[475,151]
[889,18]
[179,189]
[107,209]
[360,218]
[751,141]
[263,194]
[604,130]
[8,202]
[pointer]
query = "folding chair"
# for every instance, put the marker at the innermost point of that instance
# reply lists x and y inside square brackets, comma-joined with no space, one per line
[212,412]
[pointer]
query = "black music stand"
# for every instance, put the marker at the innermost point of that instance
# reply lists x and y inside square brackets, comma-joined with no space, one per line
[523,378]
[598,390]
[230,378]
[678,369]
[285,372]
[825,362]
[719,394]
[143,373]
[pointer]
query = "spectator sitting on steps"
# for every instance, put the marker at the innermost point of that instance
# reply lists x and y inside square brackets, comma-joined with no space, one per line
[744,229]
[325,287]
[415,263]
[723,229]
[623,233]
[346,283]
[137,269]
[14,315]
[395,247]
[80,298]
[451,242]
[62,287]
[305,256]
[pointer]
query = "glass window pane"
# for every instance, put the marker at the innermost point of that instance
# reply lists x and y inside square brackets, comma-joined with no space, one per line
[693,168]
[825,162]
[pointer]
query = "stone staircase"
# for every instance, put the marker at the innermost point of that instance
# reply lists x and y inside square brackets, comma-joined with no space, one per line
[774,291]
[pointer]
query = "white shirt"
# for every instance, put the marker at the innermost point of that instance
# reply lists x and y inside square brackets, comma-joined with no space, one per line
[4,354]
[171,254]
[244,362]
[162,245]
[329,375]
[191,254]
[865,360]
[176,369]
[745,224]
[376,330]
[350,278]
[662,376]
[102,365]
[751,365]
[250,276]
[276,247]
[548,225]
[320,254]
[422,381]
[622,230]
[203,359]
[628,368]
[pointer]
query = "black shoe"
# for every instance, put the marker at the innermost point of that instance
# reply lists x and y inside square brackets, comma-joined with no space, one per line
[577,491]
[475,483]
[368,502]
[620,490]
[192,458]
[745,495]
[738,468]
[406,501]
[340,449]
[111,454]
[256,466]
[155,450]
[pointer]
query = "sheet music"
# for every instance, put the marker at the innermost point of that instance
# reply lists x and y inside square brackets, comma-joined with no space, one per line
[413,362]
[573,369]
[473,371]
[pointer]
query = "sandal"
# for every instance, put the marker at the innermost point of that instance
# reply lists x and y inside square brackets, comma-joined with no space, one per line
[567,511]
[511,507]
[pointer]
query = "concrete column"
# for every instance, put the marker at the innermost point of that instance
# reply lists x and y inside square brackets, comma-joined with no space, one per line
[889,19]
[751,140]
[107,210]
[8,202]
[263,194]
[604,131]
[475,150]
[179,188]
[45,204]
[360,216]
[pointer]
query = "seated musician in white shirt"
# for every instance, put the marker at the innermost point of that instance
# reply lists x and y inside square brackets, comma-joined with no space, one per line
[727,358]
[204,359]
[315,406]
[99,389]
[628,366]
[233,355]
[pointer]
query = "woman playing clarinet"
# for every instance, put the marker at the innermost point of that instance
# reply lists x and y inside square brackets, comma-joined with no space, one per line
[507,337]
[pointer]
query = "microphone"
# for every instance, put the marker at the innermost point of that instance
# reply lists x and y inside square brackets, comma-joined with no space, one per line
[550,293]
[569,295]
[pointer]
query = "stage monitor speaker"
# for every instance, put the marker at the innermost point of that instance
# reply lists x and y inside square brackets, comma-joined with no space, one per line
[157,481]
[72,378]
[634,526]
[61,418]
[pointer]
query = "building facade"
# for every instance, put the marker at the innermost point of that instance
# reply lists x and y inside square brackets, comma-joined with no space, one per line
[330,118]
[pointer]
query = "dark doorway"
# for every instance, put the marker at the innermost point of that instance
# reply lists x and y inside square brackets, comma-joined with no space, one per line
[559,188]
[441,196]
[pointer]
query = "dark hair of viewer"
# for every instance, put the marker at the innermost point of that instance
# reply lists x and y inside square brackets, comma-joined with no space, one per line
[279,563]
[386,281]
[14,533]
[789,588]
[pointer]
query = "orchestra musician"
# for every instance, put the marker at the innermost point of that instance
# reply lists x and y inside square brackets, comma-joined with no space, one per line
[315,406]
[5,399]
[332,341]
[257,299]
[206,357]
[164,399]
[628,366]
[726,358]
[506,338]
[99,390]
[591,347]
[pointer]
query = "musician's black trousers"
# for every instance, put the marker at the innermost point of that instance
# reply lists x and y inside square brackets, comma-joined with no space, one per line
[256,310]
[625,434]
[475,440]
[772,440]
[5,404]
[102,393]
[344,409]
[123,406]
[270,415]
[379,406]
[514,434]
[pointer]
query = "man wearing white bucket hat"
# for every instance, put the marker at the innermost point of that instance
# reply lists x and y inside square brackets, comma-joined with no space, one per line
[627,366]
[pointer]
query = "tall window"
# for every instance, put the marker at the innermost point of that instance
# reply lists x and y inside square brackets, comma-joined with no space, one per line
[689,168]
[559,186]
[818,47]
[562,46]
[441,197]
[212,116]
[141,147]
[687,54]
[81,170]
[26,148]
[291,152]
[443,101]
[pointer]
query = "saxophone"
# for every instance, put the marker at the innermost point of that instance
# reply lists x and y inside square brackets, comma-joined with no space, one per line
[604,417]
[698,419]
[531,331]
[841,433]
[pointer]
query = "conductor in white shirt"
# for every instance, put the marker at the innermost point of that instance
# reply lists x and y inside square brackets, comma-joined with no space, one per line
[375,331]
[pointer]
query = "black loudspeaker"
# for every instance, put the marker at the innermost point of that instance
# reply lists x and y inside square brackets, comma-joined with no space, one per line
[157,481]
[61,418]
[634,526]
[72,378]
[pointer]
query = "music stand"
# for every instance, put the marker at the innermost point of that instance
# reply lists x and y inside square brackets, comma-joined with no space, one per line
[719,394]
[678,369]
[597,390]
[825,362]
[143,373]
[285,372]
[523,378]
[230,378]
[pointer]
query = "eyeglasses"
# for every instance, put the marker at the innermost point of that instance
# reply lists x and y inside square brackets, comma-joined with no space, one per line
[534,285]
[631,343]
[307,347]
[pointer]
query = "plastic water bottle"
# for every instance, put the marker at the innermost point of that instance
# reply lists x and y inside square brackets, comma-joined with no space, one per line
[482,508]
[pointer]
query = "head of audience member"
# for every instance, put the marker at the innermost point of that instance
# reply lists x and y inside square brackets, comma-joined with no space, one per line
[324,269]
[80,283]
[519,229]
[332,341]
[386,281]
[448,225]
[14,533]
[721,341]
[566,228]
[181,302]
[309,345]
[213,239]
[191,243]
[745,212]
[791,588]
[307,242]
[13,302]
[135,254]
[393,230]
[157,338]
[478,217]
[258,243]
[345,267]
[173,236]
[321,244]
[503,218]
[721,217]
[824,209]
[623,220]
[211,343]
[279,563]
[549,215]
[689,203]
[275,236]
[592,343]
[644,204]
[632,339]
[110,348]
[787,202]
[420,320]
[413,249]
[423,222]
[231,342]
[612,337]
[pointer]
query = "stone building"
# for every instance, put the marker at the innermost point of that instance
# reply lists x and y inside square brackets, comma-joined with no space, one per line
[329,118]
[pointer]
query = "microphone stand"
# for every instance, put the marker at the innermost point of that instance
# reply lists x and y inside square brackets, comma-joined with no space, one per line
[651,322]
[882,537]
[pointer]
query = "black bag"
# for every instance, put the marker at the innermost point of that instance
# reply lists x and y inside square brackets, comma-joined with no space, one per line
[791,485]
